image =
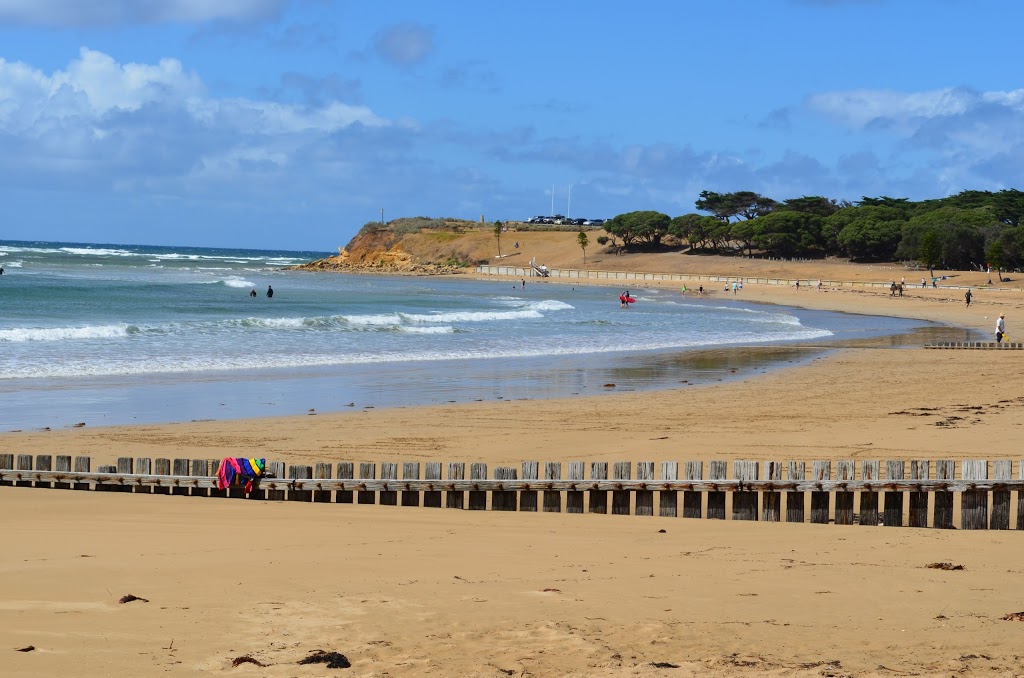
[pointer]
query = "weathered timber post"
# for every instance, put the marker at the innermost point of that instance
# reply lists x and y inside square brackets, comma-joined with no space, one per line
[180,470]
[6,464]
[199,468]
[974,503]
[528,498]
[716,499]
[598,498]
[945,469]
[82,465]
[456,499]
[300,472]
[322,471]
[213,467]
[919,500]
[869,472]
[44,462]
[820,470]
[478,498]
[125,465]
[367,471]
[771,505]
[144,467]
[1002,469]
[503,500]
[644,498]
[844,498]
[389,471]
[620,498]
[162,467]
[552,498]
[574,498]
[63,464]
[410,471]
[795,500]
[744,502]
[276,469]
[892,515]
[346,471]
[668,500]
[23,463]
[432,498]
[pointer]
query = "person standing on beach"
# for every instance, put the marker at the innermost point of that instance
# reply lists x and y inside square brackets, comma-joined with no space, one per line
[967,297]
[270,292]
[1000,327]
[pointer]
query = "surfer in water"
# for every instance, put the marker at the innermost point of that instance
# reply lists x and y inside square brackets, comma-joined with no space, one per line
[270,291]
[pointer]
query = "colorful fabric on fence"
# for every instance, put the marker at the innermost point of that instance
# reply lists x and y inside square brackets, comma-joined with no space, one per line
[235,470]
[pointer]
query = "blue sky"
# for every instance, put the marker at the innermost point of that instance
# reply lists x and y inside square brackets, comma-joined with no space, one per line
[291,123]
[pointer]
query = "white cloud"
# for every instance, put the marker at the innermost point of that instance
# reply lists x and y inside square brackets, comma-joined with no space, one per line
[405,44]
[114,12]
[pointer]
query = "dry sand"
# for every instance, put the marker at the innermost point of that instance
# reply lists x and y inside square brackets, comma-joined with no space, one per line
[405,591]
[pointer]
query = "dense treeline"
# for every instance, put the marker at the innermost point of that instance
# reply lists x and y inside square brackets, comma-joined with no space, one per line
[964,231]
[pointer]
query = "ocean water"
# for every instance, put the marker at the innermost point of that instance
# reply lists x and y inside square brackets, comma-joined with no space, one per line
[113,334]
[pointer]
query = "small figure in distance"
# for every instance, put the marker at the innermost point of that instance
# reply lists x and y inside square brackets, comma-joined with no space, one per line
[967,297]
[253,293]
[270,291]
[524,283]
[1,270]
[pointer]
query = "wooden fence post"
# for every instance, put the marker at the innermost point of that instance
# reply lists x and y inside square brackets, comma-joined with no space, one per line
[346,471]
[44,462]
[300,472]
[213,467]
[892,515]
[410,471]
[919,500]
[82,465]
[162,467]
[716,499]
[23,463]
[108,469]
[276,469]
[974,503]
[844,498]
[322,471]
[367,471]
[598,498]
[668,500]
[478,498]
[620,498]
[503,500]
[771,506]
[574,498]
[644,498]
[63,464]
[869,471]
[820,470]
[432,498]
[552,498]
[144,467]
[693,500]
[1002,469]
[795,500]
[180,470]
[198,468]
[945,469]
[456,499]
[744,502]
[6,464]
[528,498]
[389,471]
[125,465]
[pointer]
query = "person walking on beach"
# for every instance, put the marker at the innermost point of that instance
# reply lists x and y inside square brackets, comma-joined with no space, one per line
[701,291]
[1000,327]
[734,289]
[892,289]
[967,297]
[270,292]
[524,283]
[819,284]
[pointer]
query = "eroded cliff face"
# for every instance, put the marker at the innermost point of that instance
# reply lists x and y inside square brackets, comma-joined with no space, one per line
[386,251]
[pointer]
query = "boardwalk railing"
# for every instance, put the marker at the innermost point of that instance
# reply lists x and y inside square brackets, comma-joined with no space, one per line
[755,491]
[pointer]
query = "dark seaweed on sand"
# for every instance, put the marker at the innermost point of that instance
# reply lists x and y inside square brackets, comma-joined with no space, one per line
[334,660]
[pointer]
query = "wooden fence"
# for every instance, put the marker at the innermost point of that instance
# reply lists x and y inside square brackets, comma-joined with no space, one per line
[755,491]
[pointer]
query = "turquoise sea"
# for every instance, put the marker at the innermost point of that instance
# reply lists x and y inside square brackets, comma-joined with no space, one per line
[114,334]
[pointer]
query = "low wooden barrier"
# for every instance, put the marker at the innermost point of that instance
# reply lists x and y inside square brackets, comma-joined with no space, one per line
[755,491]
[1002,346]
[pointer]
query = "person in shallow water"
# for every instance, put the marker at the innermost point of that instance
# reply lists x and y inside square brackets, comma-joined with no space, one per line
[270,291]
[253,293]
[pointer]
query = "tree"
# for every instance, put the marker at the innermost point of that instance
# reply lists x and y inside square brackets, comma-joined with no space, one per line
[725,206]
[498,226]
[930,251]
[996,256]
[583,241]
[644,226]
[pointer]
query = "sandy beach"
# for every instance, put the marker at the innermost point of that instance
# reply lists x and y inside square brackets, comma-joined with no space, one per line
[420,591]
